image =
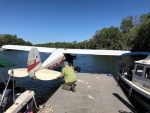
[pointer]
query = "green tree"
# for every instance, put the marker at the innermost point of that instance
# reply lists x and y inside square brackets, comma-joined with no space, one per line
[142,41]
[126,24]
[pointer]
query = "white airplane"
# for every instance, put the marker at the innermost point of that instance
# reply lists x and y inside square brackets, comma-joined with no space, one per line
[43,71]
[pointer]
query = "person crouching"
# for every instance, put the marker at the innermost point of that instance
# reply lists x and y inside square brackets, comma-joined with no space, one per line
[70,78]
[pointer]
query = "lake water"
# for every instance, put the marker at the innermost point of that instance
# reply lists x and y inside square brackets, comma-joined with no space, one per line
[44,89]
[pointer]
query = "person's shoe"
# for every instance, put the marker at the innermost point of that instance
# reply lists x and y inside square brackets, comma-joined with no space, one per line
[73,89]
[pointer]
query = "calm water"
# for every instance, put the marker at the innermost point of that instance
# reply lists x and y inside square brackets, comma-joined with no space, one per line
[43,89]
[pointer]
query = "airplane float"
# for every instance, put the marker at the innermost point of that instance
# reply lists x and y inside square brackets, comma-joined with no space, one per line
[43,71]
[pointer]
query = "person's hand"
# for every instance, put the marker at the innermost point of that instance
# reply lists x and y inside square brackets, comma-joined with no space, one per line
[59,77]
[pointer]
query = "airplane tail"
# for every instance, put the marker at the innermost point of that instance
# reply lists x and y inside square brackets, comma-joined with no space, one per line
[54,60]
[34,62]
[35,69]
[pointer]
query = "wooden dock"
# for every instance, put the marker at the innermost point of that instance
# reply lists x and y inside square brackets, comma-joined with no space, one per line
[95,93]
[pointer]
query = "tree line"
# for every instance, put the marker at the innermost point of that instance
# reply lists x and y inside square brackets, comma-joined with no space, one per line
[6,39]
[133,34]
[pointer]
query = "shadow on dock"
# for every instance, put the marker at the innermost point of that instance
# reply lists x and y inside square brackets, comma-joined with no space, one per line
[125,103]
[137,106]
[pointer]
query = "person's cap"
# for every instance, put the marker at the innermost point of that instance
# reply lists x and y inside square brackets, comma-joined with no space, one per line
[65,63]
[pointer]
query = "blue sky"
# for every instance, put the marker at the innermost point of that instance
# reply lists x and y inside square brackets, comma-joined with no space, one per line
[43,21]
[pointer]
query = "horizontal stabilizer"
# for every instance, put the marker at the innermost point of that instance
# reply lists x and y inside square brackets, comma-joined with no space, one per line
[42,74]
[45,74]
[20,72]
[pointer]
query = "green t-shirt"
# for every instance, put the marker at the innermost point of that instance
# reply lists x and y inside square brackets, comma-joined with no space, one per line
[69,74]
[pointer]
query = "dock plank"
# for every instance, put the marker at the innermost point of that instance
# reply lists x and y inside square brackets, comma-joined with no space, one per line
[96,93]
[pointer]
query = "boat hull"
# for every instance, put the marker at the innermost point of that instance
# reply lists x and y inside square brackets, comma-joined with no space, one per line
[135,92]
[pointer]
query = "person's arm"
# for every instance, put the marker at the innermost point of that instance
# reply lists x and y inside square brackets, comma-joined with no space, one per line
[62,74]
[59,77]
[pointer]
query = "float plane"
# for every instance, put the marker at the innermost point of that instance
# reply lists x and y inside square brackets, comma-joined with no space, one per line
[43,71]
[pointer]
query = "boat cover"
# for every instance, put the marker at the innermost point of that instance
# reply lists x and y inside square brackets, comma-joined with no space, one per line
[133,53]
[6,63]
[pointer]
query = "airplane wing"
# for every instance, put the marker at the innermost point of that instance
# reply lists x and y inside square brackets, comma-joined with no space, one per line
[95,52]
[63,50]
[28,48]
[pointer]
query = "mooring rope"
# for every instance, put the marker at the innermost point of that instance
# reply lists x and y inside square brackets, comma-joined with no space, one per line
[4,91]
[46,109]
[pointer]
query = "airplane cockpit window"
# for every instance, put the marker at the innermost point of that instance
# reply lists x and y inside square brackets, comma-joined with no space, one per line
[139,70]
[147,74]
